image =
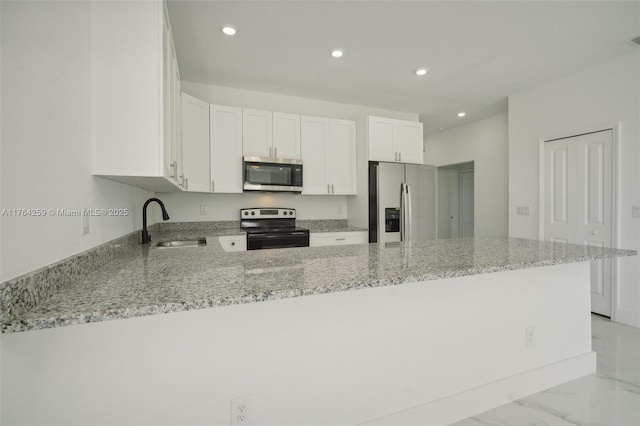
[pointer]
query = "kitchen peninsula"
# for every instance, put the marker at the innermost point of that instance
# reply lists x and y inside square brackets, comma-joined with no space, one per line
[396,333]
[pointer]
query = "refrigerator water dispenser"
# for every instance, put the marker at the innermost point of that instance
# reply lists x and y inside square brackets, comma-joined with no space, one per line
[392,219]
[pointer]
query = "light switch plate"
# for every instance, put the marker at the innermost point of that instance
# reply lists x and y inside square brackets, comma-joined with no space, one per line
[522,210]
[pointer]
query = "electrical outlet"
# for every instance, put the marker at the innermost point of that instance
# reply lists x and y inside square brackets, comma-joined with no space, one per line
[529,337]
[203,209]
[635,212]
[522,211]
[85,224]
[241,411]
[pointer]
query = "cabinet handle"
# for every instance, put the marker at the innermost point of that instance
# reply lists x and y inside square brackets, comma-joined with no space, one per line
[400,156]
[328,189]
[396,156]
[182,181]
[186,184]
[270,152]
[332,191]
[340,239]
[275,152]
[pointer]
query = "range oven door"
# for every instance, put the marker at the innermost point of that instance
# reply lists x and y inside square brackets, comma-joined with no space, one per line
[272,174]
[259,240]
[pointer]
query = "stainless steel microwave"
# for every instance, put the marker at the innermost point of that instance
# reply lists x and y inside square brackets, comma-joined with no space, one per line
[272,174]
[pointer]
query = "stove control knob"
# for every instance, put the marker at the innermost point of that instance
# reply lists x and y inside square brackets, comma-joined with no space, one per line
[290,212]
[253,213]
[246,213]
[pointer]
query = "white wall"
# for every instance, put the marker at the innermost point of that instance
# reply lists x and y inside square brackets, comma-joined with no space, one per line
[485,143]
[310,206]
[595,97]
[186,207]
[46,146]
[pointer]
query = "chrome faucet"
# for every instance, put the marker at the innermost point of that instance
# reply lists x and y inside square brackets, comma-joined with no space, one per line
[165,216]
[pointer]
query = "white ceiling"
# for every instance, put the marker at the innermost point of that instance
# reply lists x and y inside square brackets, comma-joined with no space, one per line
[477,52]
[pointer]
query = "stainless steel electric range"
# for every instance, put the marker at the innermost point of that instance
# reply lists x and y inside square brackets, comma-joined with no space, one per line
[269,228]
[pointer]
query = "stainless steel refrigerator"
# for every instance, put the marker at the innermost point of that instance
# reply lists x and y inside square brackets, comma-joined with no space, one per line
[402,202]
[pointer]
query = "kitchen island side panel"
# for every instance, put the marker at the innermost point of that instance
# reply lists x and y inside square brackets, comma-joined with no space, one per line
[338,358]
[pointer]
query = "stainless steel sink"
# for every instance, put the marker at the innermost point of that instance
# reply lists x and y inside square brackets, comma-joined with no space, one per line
[196,242]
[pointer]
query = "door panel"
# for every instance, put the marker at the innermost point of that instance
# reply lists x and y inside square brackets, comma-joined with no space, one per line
[466,204]
[422,181]
[226,149]
[286,135]
[578,202]
[315,137]
[257,132]
[341,156]
[559,198]
[390,177]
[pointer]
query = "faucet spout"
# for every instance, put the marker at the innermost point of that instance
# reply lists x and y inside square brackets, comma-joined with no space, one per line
[146,238]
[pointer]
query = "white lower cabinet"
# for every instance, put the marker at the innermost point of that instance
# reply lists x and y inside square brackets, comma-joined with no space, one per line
[318,239]
[233,242]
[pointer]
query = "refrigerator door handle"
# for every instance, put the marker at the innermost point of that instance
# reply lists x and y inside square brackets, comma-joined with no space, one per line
[403,212]
[409,226]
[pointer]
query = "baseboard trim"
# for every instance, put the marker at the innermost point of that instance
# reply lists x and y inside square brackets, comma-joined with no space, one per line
[628,317]
[474,401]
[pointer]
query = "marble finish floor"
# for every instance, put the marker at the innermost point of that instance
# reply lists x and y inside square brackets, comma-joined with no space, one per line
[611,396]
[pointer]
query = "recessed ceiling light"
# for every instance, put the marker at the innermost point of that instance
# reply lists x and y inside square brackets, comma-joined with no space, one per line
[422,71]
[337,53]
[462,114]
[229,30]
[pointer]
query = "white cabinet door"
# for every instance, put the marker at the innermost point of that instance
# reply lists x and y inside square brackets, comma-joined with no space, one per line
[195,144]
[257,133]
[176,119]
[226,149]
[381,139]
[408,141]
[170,171]
[286,136]
[341,157]
[315,139]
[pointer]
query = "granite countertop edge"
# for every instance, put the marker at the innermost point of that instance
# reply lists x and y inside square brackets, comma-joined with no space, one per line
[66,319]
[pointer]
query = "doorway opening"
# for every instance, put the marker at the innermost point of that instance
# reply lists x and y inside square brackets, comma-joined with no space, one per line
[456,200]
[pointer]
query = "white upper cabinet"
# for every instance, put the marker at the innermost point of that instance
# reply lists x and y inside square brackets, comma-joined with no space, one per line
[381,139]
[257,132]
[286,136]
[270,134]
[341,157]
[315,140]
[226,149]
[408,141]
[195,144]
[329,156]
[394,140]
[134,83]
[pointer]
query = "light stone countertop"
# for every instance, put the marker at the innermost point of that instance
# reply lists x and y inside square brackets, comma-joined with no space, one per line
[147,281]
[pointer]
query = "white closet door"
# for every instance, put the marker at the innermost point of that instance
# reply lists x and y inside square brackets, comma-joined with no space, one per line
[559,205]
[578,202]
